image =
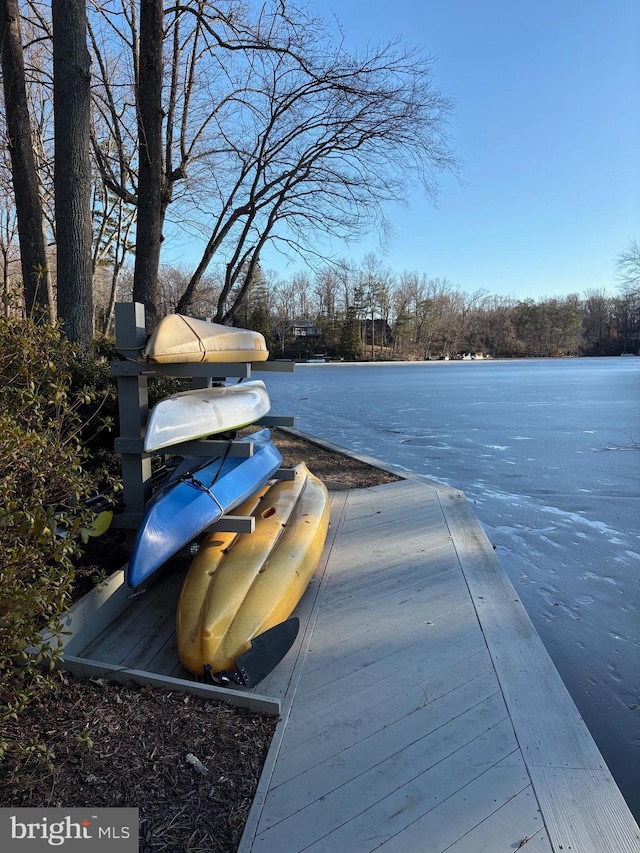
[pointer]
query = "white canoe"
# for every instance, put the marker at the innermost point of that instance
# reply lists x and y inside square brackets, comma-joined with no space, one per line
[180,339]
[205,411]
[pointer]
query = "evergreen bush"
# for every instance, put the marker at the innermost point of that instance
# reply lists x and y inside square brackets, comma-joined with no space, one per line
[46,475]
[350,341]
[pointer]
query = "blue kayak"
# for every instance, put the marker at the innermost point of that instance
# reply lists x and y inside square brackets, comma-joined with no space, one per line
[187,504]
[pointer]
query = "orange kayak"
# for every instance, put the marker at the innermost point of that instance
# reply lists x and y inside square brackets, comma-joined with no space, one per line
[240,585]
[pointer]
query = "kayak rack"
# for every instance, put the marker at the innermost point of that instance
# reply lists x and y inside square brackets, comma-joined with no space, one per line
[132,373]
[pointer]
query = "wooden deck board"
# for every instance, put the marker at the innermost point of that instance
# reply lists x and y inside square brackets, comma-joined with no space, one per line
[464,811]
[401,579]
[398,736]
[312,804]
[517,822]
[145,612]
[335,737]
[423,632]
[393,815]
[315,694]
[584,809]
[413,606]
[316,718]
[581,803]
[282,678]
[144,652]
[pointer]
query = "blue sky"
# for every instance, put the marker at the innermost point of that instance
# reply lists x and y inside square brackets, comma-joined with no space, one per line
[547,126]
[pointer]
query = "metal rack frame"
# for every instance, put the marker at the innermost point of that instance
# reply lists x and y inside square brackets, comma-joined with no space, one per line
[132,373]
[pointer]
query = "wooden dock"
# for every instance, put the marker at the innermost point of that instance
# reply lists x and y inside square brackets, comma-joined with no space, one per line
[419,710]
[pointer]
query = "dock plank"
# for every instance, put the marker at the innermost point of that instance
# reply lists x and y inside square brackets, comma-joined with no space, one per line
[432,785]
[398,736]
[333,676]
[584,809]
[515,825]
[404,607]
[386,583]
[321,693]
[313,720]
[389,748]
[493,833]
[332,739]
[116,641]
[464,811]
[389,573]
[315,803]
[153,638]
[578,796]
[281,679]
[410,643]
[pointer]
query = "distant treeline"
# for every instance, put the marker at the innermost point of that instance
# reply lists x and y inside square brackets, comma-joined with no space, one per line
[368,312]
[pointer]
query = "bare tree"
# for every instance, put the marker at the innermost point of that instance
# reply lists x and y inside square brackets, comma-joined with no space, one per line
[284,309]
[331,144]
[245,127]
[376,284]
[72,181]
[403,307]
[628,266]
[492,325]
[23,163]
[152,181]
[596,317]
[9,250]
[269,132]
[112,218]
[325,291]
[112,244]
[162,84]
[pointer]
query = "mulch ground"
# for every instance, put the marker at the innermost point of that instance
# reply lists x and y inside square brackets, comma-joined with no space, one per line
[190,765]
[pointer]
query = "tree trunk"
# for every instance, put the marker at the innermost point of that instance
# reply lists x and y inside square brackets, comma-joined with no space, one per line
[151,176]
[72,175]
[23,163]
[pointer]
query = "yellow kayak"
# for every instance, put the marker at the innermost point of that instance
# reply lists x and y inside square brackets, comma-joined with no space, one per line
[180,339]
[241,585]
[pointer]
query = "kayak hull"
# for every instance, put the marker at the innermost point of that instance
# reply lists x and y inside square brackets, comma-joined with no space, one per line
[187,505]
[179,339]
[205,411]
[239,586]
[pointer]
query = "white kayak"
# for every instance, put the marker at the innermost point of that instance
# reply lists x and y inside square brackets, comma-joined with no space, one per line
[205,411]
[180,339]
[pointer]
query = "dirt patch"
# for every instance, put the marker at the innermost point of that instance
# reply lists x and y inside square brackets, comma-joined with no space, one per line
[190,765]
[327,464]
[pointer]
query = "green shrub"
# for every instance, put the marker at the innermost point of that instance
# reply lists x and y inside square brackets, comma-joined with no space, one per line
[95,371]
[45,476]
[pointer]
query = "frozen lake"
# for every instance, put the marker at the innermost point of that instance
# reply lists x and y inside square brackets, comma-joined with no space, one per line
[543,451]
